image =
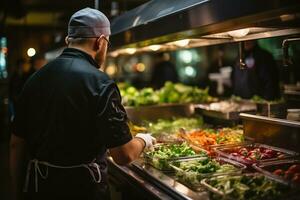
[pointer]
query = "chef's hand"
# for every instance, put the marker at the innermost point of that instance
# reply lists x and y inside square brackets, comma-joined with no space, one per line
[148,139]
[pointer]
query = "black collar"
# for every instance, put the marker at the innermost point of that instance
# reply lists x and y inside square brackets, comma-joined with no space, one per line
[72,52]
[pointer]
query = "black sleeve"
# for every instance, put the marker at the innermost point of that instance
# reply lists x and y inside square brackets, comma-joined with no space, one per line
[19,121]
[111,120]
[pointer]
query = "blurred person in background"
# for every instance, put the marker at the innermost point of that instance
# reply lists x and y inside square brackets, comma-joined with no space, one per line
[163,70]
[260,76]
[68,116]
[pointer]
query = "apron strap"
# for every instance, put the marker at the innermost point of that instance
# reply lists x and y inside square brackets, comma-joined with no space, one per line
[37,171]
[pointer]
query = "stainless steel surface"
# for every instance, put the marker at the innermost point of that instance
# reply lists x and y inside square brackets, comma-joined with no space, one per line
[137,180]
[152,113]
[168,182]
[273,131]
[275,110]
[152,23]
[285,47]
[233,115]
[151,11]
[207,40]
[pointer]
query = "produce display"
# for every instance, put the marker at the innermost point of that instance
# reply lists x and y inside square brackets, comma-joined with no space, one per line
[288,170]
[170,93]
[204,137]
[164,153]
[165,130]
[173,126]
[258,99]
[292,173]
[230,106]
[250,187]
[252,153]
[192,171]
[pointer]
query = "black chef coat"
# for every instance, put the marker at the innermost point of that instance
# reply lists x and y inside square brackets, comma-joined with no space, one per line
[69,113]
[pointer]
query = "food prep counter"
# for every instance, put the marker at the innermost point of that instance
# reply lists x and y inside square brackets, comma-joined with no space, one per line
[145,180]
[138,180]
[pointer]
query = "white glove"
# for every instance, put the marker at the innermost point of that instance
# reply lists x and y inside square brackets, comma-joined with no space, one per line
[148,139]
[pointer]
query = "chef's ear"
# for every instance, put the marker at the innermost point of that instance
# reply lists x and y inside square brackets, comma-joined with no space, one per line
[100,42]
[67,40]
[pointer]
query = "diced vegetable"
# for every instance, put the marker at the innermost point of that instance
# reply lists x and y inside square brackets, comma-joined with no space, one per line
[206,137]
[193,171]
[248,187]
[163,153]
[292,173]
[173,126]
[255,153]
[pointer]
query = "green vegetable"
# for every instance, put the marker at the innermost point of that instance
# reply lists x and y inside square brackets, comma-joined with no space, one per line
[193,171]
[162,154]
[173,126]
[170,93]
[248,187]
[258,99]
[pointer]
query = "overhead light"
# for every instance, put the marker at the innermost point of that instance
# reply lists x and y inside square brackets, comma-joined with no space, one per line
[114,54]
[182,43]
[111,70]
[130,50]
[31,52]
[154,47]
[190,71]
[186,56]
[140,67]
[239,33]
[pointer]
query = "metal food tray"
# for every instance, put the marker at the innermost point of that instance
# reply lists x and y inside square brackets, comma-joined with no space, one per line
[221,151]
[167,182]
[197,176]
[262,168]
[214,190]
[233,115]
[152,160]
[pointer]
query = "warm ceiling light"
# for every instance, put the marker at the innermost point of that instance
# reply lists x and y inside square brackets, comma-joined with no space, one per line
[182,43]
[114,54]
[130,50]
[140,67]
[111,70]
[31,52]
[154,47]
[239,33]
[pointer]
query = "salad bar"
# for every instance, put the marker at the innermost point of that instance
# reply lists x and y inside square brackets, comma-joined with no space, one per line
[196,160]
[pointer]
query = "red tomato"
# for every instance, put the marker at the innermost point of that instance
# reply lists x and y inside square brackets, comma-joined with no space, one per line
[243,151]
[279,172]
[294,168]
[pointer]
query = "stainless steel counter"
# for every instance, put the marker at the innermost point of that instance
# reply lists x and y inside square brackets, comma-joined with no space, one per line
[273,131]
[151,183]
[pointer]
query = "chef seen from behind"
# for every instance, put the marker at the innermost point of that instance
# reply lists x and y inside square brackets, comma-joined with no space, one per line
[68,116]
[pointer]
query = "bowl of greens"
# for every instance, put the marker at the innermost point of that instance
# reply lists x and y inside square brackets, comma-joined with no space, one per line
[192,170]
[246,186]
[163,154]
